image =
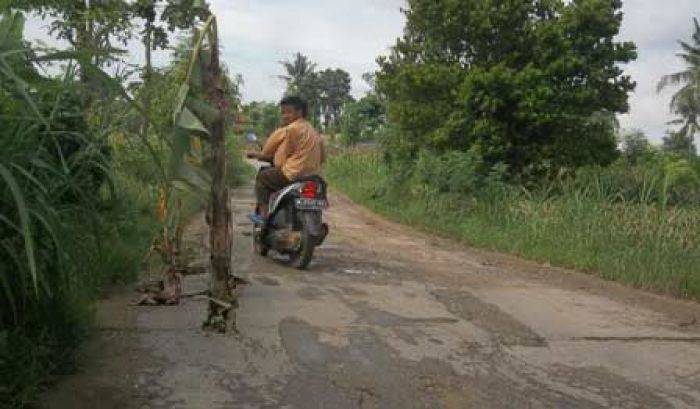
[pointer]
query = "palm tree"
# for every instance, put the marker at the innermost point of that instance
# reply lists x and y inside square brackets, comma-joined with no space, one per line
[302,80]
[298,72]
[686,101]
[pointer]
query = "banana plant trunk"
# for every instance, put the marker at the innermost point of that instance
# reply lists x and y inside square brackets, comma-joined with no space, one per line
[85,45]
[220,232]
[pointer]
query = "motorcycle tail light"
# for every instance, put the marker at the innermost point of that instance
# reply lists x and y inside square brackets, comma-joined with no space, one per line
[309,190]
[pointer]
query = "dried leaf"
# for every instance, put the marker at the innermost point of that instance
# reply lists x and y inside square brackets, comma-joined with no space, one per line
[162,205]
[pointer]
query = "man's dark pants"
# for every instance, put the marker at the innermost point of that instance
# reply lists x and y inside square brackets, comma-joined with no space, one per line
[268,182]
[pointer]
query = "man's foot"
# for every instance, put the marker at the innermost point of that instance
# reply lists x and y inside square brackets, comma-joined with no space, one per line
[256,219]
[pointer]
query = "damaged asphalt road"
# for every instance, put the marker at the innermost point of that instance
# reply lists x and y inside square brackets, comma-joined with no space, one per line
[388,317]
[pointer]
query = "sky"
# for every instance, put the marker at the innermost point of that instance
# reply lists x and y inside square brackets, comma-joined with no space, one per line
[257,34]
[350,34]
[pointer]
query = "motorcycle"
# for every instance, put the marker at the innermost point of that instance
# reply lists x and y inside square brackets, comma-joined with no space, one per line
[294,226]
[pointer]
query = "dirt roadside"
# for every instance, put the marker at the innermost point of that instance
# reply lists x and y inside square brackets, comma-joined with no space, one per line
[388,317]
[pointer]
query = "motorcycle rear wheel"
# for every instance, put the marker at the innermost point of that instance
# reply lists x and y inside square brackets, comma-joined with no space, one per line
[301,258]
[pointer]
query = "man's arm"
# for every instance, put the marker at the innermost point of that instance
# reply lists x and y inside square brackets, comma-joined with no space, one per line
[268,151]
[259,156]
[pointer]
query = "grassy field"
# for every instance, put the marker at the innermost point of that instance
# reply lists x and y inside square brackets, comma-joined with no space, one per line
[648,245]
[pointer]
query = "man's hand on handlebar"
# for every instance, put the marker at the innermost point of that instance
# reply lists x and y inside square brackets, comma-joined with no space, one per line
[259,156]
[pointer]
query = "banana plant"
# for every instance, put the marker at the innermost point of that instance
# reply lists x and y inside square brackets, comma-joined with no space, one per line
[199,117]
[201,111]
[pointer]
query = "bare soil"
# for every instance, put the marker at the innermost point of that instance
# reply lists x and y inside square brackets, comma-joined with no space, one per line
[388,317]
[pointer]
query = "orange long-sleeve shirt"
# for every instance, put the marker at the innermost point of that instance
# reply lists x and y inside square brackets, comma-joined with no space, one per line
[297,149]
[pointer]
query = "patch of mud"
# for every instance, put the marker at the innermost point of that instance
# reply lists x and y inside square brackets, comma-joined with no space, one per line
[408,337]
[355,261]
[612,390]
[310,293]
[374,316]
[349,291]
[154,394]
[504,328]
[238,385]
[267,280]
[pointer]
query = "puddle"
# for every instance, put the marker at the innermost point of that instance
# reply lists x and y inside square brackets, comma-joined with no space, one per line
[329,246]
[353,271]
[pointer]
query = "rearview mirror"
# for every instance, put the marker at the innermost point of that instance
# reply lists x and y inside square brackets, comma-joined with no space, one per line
[251,137]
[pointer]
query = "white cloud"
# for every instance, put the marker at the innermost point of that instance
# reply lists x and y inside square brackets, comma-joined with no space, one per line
[344,34]
[655,27]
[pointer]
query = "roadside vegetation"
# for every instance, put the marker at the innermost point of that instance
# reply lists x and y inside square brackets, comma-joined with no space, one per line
[636,224]
[497,127]
[100,162]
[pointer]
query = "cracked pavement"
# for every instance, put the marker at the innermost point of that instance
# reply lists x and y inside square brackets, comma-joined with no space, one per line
[390,317]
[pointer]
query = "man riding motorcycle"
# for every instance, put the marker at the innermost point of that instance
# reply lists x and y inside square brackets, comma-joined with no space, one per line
[296,150]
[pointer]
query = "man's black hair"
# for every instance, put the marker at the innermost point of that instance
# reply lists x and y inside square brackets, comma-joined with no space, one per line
[296,102]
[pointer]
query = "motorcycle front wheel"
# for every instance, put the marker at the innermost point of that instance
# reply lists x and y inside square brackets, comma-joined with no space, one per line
[258,246]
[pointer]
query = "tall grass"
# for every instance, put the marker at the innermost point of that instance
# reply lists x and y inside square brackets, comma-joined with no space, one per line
[95,249]
[85,186]
[69,223]
[591,223]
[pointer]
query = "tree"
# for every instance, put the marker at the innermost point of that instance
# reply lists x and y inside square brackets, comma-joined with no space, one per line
[679,143]
[685,103]
[521,82]
[325,91]
[302,80]
[92,28]
[96,28]
[176,15]
[297,70]
[334,87]
[635,145]
[361,120]
[352,124]
[261,117]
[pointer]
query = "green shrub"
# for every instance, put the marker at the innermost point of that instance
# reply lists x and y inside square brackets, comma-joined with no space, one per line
[238,170]
[664,179]
[456,172]
[619,222]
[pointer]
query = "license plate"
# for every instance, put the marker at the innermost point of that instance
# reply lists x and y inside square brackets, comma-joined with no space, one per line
[312,204]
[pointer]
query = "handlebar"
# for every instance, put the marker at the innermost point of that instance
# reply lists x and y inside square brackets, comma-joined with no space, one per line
[253,155]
